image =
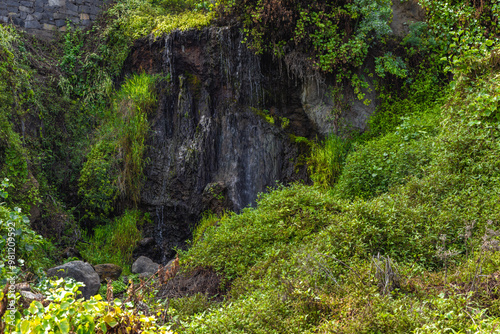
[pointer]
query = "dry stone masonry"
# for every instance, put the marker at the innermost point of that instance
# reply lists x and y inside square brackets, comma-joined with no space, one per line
[44,17]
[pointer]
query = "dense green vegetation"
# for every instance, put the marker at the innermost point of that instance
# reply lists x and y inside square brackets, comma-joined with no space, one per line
[115,163]
[16,99]
[333,33]
[305,251]
[115,241]
[397,234]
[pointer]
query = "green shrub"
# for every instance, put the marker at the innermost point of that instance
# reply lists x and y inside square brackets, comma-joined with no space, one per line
[282,217]
[208,219]
[114,242]
[385,162]
[16,99]
[334,34]
[456,313]
[408,313]
[139,18]
[268,299]
[183,308]
[134,101]
[391,64]
[20,247]
[67,314]
[118,287]
[464,31]
[137,90]
[327,160]
[97,183]
[420,95]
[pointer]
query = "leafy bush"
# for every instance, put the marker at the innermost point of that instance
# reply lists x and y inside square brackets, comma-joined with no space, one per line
[118,287]
[327,160]
[183,308]
[282,217]
[114,242]
[259,312]
[66,314]
[97,184]
[208,219]
[452,314]
[387,161]
[464,32]
[16,98]
[334,34]
[421,93]
[391,64]
[20,246]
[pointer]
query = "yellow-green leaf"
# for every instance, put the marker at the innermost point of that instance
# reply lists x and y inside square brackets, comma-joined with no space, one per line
[110,320]
[64,326]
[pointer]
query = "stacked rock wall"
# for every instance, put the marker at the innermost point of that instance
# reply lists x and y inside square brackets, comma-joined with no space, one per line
[44,17]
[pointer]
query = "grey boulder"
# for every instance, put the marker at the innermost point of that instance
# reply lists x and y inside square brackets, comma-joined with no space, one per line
[81,272]
[144,265]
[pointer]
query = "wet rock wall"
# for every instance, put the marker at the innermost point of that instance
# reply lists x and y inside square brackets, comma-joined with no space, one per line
[225,130]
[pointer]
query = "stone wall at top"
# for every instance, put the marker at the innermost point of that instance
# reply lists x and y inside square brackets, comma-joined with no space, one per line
[44,17]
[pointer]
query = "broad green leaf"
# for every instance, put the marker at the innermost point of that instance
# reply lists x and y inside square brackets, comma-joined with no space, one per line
[64,326]
[25,326]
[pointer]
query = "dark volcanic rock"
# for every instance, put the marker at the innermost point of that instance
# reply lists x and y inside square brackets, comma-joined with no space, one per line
[149,248]
[211,147]
[224,129]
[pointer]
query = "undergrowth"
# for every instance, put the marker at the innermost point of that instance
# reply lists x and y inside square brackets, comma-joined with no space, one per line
[409,257]
[115,242]
[334,35]
[16,99]
[115,163]
[398,234]
[327,160]
[20,246]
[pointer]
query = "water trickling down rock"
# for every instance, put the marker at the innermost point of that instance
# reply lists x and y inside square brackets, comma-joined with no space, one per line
[224,128]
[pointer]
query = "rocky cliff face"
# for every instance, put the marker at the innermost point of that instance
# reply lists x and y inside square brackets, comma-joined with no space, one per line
[224,129]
